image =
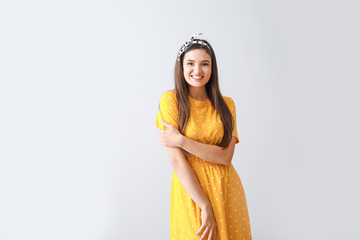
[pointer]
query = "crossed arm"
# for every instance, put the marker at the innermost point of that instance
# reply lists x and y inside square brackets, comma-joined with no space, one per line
[208,152]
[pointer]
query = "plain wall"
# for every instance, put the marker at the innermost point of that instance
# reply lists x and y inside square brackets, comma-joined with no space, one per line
[80,83]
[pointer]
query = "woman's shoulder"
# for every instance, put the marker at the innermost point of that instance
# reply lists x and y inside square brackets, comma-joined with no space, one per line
[170,92]
[230,103]
[169,96]
[228,100]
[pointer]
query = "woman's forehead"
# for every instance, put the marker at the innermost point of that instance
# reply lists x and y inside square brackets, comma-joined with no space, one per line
[197,55]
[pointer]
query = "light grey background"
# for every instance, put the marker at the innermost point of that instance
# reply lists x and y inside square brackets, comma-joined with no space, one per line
[80,83]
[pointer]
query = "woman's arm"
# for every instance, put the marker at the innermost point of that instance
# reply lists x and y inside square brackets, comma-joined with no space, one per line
[192,186]
[187,177]
[209,152]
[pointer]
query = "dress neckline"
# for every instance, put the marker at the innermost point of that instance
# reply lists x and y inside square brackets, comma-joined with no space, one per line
[206,99]
[198,103]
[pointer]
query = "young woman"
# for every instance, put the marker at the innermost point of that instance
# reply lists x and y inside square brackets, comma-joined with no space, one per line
[197,125]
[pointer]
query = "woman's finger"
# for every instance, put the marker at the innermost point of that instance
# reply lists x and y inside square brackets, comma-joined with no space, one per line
[200,230]
[204,234]
[212,235]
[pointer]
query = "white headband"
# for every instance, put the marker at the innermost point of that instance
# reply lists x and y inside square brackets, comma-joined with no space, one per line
[192,40]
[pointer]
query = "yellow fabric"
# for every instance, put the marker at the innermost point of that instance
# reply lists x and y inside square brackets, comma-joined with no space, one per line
[221,184]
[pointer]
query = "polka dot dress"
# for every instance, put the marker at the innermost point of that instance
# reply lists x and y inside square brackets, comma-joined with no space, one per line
[221,183]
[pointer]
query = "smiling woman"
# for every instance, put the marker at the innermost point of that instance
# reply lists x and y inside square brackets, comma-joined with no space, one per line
[197,125]
[197,69]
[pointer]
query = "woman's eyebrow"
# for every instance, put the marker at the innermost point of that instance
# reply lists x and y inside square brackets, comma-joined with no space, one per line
[190,60]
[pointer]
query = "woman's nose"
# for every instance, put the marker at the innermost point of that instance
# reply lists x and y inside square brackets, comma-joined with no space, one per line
[197,68]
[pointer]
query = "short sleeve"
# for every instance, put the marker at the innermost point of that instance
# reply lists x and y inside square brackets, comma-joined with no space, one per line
[232,109]
[168,110]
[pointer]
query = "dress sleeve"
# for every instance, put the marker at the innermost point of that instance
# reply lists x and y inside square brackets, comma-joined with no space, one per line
[232,108]
[168,110]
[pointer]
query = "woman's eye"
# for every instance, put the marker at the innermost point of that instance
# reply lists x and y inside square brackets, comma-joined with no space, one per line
[204,64]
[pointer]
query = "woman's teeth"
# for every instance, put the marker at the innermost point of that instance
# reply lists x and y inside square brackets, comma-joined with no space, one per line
[197,77]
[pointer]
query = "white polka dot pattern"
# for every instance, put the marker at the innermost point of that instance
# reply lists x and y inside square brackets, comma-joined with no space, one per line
[221,183]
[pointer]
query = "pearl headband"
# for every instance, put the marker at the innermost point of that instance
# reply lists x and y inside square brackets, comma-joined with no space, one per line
[192,40]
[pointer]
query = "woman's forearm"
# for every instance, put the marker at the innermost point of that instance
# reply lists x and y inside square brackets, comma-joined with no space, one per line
[188,179]
[208,152]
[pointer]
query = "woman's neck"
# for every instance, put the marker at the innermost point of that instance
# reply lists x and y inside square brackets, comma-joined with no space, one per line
[198,93]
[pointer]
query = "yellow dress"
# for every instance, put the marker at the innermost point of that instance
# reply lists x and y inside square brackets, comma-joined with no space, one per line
[221,183]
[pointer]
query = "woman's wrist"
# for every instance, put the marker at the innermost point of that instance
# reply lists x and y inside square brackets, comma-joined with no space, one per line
[205,206]
[181,141]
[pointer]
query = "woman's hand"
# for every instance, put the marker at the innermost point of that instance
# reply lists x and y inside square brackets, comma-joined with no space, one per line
[170,137]
[208,224]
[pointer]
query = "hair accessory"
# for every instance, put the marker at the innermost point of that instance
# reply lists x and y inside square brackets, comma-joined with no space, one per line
[192,40]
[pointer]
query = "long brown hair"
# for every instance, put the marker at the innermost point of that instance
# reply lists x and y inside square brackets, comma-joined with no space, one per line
[212,90]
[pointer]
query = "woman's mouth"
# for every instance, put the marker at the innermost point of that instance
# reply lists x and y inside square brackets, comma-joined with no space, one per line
[197,77]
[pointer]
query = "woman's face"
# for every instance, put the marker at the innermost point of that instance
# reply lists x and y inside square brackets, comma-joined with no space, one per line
[197,67]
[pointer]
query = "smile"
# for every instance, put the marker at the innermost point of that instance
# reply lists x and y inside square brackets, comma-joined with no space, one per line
[197,77]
